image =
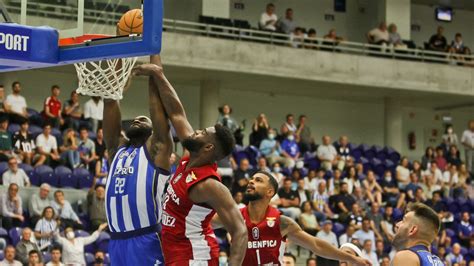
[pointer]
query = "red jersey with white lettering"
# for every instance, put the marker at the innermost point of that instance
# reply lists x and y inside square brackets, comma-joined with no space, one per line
[265,244]
[187,235]
[54,105]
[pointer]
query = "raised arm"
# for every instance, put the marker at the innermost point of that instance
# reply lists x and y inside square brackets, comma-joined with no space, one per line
[160,144]
[112,126]
[295,234]
[171,102]
[216,195]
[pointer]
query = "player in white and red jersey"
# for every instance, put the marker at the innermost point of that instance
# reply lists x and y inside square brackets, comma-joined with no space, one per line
[268,229]
[195,192]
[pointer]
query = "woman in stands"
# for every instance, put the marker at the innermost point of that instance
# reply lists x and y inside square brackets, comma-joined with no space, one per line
[68,150]
[260,129]
[427,158]
[403,173]
[45,228]
[102,168]
[352,179]
[308,220]
[417,169]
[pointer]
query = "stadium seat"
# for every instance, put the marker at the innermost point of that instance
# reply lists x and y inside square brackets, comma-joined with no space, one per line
[35,130]
[377,166]
[13,128]
[46,257]
[366,163]
[392,154]
[89,257]
[253,154]
[397,214]
[30,171]
[338,229]
[450,233]
[15,235]
[66,179]
[2,255]
[242,24]
[46,175]
[4,234]
[92,135]
[83,177]
[107,259]
[239,156]
[3,167]
[356,152]
[103,242]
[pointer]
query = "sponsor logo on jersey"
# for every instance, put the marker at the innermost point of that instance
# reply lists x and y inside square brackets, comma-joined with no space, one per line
[271,221]
[191,177]
[255,233]
[262,244]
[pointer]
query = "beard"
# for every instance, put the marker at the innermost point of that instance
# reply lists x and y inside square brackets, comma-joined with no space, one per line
[192,145]
[252,197]
[400,240]
[138,133]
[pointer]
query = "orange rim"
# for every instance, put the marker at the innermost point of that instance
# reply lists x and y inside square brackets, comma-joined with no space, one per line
[81,39]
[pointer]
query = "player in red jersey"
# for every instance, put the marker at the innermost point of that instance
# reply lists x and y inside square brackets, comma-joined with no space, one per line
[195,193]
[268,229]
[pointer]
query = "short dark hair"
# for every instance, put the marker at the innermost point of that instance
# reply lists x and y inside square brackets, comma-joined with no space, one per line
[289,115]
[56,248]
[84,128]
[271,178]
[225,140]
[24,121]
[311,31]
[15,83]
[287,254]
[458,35]
[289,9]
[55,87]
[270,5]
[425,213]
[34,251]
[46,208]
[310,259]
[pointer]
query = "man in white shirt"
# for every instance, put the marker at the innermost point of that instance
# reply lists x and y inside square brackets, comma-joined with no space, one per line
[93,112]
[15,104]
[468,141]
[379,35]
[369,253]
[268,19]
[47,148]
[367,232]
[11,208]
[435,172]
[326,233]
[55,257]
[10,257]
[348,236]
[15,175]
[38,202]
[327,154]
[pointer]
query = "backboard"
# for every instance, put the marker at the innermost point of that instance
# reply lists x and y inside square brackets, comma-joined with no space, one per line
[24,45]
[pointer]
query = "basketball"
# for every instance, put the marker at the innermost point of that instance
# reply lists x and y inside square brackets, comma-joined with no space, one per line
[131,23]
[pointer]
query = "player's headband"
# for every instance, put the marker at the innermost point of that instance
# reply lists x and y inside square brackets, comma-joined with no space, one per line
[353,247]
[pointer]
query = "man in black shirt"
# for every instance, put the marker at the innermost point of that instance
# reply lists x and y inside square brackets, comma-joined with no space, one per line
[241,177]
[23,143]
[344,200]
[289,200]
[391,194]
[438,42]
[100,143]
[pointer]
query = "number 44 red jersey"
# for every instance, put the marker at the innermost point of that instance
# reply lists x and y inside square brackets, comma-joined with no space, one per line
[265,244]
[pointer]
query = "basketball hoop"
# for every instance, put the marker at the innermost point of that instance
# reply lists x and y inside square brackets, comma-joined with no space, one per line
[105,78]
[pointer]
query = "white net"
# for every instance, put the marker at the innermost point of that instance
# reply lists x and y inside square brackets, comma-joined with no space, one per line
[106,78]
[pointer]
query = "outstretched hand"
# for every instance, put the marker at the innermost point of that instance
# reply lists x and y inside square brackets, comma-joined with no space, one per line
[145,70]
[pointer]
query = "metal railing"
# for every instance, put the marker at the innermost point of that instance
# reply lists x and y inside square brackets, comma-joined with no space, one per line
[252,35]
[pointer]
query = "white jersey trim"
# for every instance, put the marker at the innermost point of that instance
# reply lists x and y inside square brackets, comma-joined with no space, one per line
[193,231]
[127,216]
[141,190]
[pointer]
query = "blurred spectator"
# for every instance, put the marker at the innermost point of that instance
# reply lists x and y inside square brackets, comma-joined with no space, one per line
[379,35]
[173,160]
[461,188]
[375,215]
[438,42]
[289,124]
[72,112]
[419,196]
[372,189]
[387,225]
[2,99]
[241,176]
[268,19]
[73,247]
[304,133]
[100,147]
[455,256]
[55,257]
[270,148]
[12,210]
[96,205]
[6,146]
[321,202]
[368,232]
[15,175]
[93,112]
[412,187]
[228,121]
[369,253]
[391,194]
[403,173]
[262,164]
[429,186]
[86,148]
[102,169]
[331,38]
[52,108]
[344,200]
[335,182]
[311,182]
[437,204]
[99,258]
[307,219]
[45,228]
[440,159]
[304,194]
[450,137]
[69,149]
[287,24]
[468,141]
[355,216]
[458,47]
[450,178]
[327,154]
[25,246]
[290,150]
[380,250]
[47,147]
[238,198]
[34,258]
[348,236]
[416,169]
[465,229]
[289,200]
[435,172]
[343,150]
[9,259]
[310,41]
[24,144]
[352,180]
[327,235]
[427,158]
[260,129]
[38,202]
[64,211]
[394,38]
[289,259]
[311,262]
[276,171]
[360,199]
[15,104]
[453,156]
[297,38]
